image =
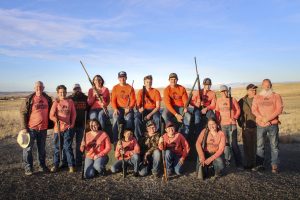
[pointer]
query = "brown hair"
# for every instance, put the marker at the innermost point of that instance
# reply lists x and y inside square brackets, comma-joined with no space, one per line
[149,77]
[98,76]
[61,87]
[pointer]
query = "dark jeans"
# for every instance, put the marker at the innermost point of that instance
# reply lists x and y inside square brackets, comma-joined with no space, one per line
[128,119]
[249,144]
[153,163]
[133,161]
[66,144]
[172,162]
[78,133]
[139,126]
[40,137]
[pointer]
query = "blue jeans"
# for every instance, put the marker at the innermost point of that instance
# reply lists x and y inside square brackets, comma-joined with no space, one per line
[140,126]
[100,116]
[232,144]
[133,161]
[168,116]
[153,162]
[272,133]
[66,144]
[218,163]
[78,133]
[90,166]
[119,118]
[172,162]
[40,137]
[197,119]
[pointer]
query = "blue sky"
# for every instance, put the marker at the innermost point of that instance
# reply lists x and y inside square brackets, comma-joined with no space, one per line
[233,40]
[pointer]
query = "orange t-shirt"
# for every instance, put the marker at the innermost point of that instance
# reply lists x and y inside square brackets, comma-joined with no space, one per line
[97,145]
[175,96]
[223,113]
[94,102]
[214,145]
[121,95]
[208,99]
[66,112]
[151,97]
[38,119]
[130,147]
[178,144]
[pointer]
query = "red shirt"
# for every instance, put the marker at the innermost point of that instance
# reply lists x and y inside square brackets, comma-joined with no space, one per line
[38,119]
[130,147]
[94,102]
[223,111]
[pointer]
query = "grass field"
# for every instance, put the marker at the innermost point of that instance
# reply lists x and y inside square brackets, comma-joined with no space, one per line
[290,92]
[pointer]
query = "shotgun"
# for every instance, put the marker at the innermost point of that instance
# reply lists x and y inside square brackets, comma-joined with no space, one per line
[162,130]
[84,139]
[99,96]
[190,98]
[143,102]
[59,139]
[128,101]
[198,82]
[201,174]
[120,127]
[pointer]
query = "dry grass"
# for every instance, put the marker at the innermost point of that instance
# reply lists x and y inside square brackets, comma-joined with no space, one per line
[290,92]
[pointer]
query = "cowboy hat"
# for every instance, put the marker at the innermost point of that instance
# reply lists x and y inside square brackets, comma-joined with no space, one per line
[23,139]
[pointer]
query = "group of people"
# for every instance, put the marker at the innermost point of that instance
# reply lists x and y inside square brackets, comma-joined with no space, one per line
[142,135]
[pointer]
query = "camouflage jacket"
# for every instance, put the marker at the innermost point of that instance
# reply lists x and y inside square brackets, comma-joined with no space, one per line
[149,144]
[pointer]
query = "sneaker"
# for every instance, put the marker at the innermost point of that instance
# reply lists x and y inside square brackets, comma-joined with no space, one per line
[274,169]
[71,169]
[28,172]
[54,169]
[258,168]
[43,169]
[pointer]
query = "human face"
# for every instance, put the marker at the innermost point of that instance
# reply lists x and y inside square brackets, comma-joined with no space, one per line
[38,88]
[207,87]
[94,126]
[148,83]
[170,130]
[151,130]
[212,126]
[98,82]
[122,80]
[251,93]
[173,81]
[127,135]
[266,85]
[61,93]
[77,90]
[224,93]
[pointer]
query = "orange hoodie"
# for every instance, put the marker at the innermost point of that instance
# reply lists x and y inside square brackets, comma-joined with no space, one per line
[223,113]
[151,97]
[130,147]
[215,145]
[96,145]
[94,102]
[208,99]
[178,144]
[65,109]
[120,96]
[268,107]
[176,96]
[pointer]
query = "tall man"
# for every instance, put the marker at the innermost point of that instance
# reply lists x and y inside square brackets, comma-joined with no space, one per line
[123,102]
[175,98]
[247,122]
[35,119]
[267,106]
[148,105]
[81,106]
[227,117]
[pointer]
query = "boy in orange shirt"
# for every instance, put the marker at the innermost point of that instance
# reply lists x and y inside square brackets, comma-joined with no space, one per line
[227,119]
[175,98]
[176,149]
[149,109]
[123,102]
[63,112]
[267,106]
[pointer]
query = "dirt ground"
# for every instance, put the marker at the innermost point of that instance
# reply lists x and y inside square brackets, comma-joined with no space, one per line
[62,185]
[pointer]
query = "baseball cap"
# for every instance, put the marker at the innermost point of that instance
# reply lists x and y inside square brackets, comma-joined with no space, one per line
[173,75]
[122,74]
[207,81]
[223,88]
[149,123]
[169,124]
[251,86]
[76,85]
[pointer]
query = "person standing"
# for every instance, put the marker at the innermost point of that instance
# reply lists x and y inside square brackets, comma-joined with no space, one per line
[81,106]
[175,98]
[247,122]
[63,114]
[227,112]
[149,109]
[123,102]
[35,120]
[267,106]
[98,107]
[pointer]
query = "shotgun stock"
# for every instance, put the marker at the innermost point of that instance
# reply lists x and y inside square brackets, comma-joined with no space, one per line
[162,130]
[198,82]
[120,127]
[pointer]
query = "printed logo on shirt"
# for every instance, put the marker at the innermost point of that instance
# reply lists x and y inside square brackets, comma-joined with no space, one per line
[65,110]
[40,105]
[80,105]
[123,95]
[175,96]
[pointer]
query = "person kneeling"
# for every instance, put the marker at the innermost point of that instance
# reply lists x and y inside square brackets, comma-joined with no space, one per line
[96,144]
[129,149]
[176,149]
[210,146]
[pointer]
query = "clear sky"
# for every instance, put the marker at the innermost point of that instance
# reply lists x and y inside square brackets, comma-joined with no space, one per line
[233,40]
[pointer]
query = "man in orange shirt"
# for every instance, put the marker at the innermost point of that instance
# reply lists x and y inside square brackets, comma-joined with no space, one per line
[266,107]
[175,98]
[149,109]
[123,102]
[35,119]
[227,118]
